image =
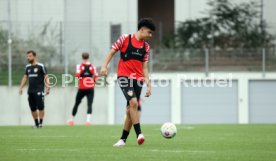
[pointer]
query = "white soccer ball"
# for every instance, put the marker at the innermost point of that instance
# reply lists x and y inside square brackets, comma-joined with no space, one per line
[168,130]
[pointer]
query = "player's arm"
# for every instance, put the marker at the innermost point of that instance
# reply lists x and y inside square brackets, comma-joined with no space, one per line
[107,61]
[146,77]
[96,76]
[23,83]
[46,80]
[47,84]
[115,47]
[78,71]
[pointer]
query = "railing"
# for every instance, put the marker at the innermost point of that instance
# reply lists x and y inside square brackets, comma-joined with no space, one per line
[207,60]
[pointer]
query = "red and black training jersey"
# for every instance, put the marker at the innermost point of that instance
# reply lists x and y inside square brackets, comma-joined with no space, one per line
[87,75]
[133,53]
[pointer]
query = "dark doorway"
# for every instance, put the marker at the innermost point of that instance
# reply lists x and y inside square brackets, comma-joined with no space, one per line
[162,12]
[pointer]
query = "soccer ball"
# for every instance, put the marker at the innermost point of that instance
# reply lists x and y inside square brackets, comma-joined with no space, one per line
[168,130]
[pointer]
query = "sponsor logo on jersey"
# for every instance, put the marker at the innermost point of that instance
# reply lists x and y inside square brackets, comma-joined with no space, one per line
[33,75]
[35,70]
[137,53]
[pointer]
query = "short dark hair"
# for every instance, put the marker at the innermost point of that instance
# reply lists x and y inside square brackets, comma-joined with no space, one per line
[31,51]
[85,55]
[146,22]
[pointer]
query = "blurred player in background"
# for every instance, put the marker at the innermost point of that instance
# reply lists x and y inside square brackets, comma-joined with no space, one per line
[37,75]
[87,75]
[132,72]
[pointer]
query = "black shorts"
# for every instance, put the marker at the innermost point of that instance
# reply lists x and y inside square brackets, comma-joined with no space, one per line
[36,101]
[131,88]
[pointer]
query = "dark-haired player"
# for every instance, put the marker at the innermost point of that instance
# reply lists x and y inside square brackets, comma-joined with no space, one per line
[132,72]
[36,74]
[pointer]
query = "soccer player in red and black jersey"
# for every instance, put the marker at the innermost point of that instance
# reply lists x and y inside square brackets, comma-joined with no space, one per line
[87,75]
[132,72]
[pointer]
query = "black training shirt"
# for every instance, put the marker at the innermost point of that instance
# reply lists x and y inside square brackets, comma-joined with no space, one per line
[35,74]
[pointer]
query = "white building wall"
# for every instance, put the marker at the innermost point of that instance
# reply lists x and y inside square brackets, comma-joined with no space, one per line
[14,109]
[87,22]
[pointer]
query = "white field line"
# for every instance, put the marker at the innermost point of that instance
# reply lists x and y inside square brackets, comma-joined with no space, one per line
[47,149]
[182,127]
[182,151]
[42,136]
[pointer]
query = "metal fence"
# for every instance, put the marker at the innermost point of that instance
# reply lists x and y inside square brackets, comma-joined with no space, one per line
[59,47]
[208,60]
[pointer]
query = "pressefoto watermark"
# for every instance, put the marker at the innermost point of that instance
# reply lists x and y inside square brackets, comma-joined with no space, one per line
[182,80]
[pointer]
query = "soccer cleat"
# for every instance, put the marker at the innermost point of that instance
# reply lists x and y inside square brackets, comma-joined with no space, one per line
[87,123]
[35,127]
[140,139]
[40,126]
[71,122]
[120,143]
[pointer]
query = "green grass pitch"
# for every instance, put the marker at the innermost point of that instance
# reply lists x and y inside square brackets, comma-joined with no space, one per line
[94,143]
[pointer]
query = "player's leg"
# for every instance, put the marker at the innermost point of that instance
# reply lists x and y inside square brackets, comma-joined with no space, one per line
[123,83]
[40,105]
[79,96]
[139,108]
[90,97]
[139,111]
[41,116]
[127,88]
[33,107]
[134,115]
[138,85]
[135,119]
[127,125]
[126,130]
[35,117]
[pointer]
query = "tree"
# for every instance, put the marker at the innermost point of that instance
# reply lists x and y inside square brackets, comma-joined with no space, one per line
[227,25]
[44,42]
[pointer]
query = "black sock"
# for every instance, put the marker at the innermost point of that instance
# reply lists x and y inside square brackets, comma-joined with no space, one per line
[36,122]
[137,129]
[124,135]
[40,121]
